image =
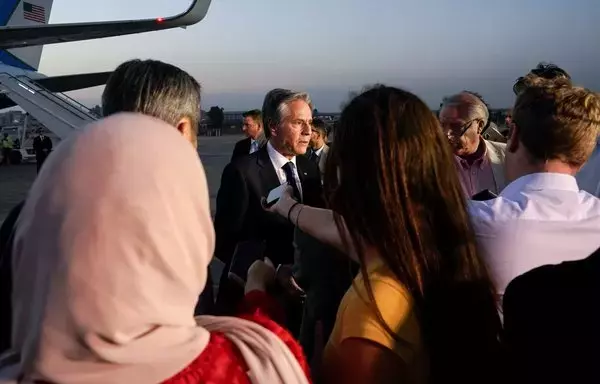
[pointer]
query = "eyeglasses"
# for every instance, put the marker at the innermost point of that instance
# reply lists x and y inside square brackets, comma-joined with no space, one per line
[457,131]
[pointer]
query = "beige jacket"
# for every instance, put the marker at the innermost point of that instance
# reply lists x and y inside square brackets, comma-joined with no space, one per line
[496,153]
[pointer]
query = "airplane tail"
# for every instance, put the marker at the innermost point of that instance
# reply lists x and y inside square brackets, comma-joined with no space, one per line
[24,13]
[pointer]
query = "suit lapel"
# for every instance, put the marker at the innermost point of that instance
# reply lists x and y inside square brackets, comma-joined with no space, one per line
[323,158]
[301,164]
[267,174]
[497,166]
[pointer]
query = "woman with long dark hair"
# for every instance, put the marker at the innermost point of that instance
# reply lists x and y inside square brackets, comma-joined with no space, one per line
[423,308]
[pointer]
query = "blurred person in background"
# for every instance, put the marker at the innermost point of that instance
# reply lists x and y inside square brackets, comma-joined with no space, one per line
[318,144]
[255,137]
[7,146]
[42,145]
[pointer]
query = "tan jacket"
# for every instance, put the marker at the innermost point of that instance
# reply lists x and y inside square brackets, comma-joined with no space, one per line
[496,153]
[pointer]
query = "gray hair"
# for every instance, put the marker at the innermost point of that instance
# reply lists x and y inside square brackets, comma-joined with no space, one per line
[275,106]
[153,88]
[477,109]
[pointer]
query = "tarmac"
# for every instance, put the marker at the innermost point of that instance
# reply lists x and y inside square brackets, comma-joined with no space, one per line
[215,152]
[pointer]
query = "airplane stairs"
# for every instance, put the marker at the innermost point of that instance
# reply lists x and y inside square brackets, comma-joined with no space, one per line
[59,113]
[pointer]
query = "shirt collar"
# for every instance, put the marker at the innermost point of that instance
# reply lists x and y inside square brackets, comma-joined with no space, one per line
[539,182]
[277,158]
[319,151]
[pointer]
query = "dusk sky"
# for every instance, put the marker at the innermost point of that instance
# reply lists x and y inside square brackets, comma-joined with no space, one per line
[243,48]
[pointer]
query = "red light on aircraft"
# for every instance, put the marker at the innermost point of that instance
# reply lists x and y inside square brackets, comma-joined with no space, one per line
[160,20]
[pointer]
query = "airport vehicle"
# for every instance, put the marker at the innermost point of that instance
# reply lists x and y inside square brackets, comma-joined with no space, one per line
[23,33]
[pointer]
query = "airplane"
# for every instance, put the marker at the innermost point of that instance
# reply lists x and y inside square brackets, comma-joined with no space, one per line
[24,30]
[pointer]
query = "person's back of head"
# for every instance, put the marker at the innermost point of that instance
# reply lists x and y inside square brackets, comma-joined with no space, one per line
[554,124]
[402,197]
[155,89]
[543,70]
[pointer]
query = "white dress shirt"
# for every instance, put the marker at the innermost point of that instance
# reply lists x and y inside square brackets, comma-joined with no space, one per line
[538,219]
[278,161]
[319,151]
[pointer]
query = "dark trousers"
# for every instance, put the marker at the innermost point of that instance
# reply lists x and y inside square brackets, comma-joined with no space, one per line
[39,159]
[6,155]
[206,301]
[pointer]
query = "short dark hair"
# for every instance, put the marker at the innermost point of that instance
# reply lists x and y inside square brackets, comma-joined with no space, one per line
[320,126]
[255,114]
[548,71]
[155,89]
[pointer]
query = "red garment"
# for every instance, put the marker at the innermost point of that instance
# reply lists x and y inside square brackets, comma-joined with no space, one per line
[221,362]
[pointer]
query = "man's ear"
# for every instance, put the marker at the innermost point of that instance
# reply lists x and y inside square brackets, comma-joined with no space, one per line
[184,126]
[273,130]
[479,126]
[512,144]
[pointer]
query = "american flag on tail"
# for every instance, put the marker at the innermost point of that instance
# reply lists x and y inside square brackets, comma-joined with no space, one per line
[34,13]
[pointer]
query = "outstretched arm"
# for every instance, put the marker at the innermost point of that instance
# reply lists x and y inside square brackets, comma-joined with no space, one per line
[316,222]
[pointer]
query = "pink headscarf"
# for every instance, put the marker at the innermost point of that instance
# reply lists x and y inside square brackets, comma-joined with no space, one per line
[110,255]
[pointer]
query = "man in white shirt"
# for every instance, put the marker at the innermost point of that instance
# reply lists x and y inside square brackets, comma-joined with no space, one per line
[542,217]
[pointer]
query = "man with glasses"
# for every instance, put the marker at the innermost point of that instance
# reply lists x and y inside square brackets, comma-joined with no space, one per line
[479,162]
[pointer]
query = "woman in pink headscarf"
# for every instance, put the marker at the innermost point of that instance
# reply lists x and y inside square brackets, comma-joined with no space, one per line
[110,255]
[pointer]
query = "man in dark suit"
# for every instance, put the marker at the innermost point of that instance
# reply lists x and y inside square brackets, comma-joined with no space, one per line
[42,145]
[552,323]
[253,128]
[240,216]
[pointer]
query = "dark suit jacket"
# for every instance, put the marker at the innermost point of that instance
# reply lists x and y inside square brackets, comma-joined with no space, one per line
[552,323]
[42,147]
[242,148]
[325,275]
[240,215]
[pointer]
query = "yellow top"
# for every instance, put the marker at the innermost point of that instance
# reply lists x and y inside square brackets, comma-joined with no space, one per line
[356,318]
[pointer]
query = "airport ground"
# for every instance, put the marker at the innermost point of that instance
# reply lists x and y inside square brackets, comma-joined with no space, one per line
[215,152]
